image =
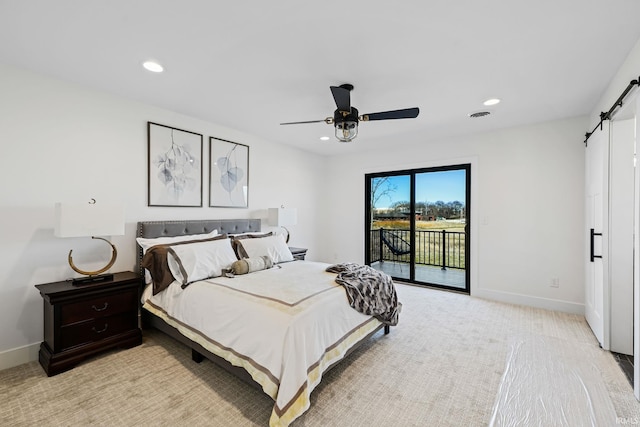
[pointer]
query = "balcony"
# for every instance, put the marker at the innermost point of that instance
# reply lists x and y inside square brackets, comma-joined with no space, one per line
[439,256]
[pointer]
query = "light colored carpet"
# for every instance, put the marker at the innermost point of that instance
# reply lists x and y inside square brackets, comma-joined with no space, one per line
[453,360]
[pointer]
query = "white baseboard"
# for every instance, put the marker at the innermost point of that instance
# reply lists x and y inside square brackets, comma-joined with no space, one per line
[18,356]
[545,303]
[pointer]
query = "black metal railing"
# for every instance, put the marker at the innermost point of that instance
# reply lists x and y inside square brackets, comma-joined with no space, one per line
[443,248]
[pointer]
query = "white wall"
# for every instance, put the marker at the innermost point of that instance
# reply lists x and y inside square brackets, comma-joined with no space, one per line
[628,71]
[61,142]
[527,208]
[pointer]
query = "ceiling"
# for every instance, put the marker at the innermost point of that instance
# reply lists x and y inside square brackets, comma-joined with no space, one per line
[250,65]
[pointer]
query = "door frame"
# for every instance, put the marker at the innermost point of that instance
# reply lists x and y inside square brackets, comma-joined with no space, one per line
[636,260]
[631,109]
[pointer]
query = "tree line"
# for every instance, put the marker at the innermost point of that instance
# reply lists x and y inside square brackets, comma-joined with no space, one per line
[439,209]
[383,187]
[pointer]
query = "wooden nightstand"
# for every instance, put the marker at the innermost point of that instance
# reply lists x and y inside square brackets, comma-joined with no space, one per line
[80,321]
[298,253]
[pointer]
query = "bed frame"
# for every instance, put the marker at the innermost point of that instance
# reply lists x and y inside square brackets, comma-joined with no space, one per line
[151,229]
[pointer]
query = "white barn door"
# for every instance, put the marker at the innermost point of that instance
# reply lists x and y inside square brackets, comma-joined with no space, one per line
[597,195]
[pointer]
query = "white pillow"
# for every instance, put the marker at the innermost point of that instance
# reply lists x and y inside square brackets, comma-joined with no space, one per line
[201,260]
[146,243]
[274,247]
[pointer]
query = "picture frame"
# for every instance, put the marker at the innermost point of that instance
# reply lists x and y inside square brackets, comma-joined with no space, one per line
[174,166]
[228,174]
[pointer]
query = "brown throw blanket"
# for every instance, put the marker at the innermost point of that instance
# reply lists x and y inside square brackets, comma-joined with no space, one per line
[369,291]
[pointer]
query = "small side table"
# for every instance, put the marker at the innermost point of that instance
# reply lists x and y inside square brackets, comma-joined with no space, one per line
[298,253]
[80,321]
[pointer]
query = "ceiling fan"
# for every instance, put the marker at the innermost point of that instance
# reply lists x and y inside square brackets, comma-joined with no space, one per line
[346,118]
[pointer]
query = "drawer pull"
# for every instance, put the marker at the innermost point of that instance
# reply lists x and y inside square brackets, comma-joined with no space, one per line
[106,304]
[106,325]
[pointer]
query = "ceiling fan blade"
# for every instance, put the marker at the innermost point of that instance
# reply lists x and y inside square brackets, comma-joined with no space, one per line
[342,98]
[301,123]
[407,113]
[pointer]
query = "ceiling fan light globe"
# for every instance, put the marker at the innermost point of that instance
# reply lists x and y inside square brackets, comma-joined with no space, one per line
[346,131]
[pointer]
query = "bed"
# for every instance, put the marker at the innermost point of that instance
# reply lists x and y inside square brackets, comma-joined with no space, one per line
[279,329]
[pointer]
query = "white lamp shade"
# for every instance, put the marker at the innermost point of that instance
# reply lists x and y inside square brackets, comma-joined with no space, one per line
[282,217]
[88,219]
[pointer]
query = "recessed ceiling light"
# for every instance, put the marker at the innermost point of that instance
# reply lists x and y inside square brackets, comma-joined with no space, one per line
[492,101]
[153,66]
[324,138]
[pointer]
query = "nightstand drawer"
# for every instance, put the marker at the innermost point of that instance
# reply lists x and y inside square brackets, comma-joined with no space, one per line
[96,330]
[98,307]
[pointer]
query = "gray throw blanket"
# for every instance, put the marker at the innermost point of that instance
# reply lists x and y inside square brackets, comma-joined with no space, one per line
[369,291]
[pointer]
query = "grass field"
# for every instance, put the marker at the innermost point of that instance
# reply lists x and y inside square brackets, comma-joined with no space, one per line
[420,225]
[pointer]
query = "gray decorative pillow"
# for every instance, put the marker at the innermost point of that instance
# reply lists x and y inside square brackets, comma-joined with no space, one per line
[249,265]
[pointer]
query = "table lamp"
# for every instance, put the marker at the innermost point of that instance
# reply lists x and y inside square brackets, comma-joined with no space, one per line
[283,217]
[90,219]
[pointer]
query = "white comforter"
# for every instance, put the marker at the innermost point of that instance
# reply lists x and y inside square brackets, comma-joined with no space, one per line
[284,325]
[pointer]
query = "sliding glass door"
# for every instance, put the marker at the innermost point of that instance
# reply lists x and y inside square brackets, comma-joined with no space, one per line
[416,225]
[389,224]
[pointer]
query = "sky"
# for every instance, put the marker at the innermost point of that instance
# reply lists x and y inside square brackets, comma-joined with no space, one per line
[446,186]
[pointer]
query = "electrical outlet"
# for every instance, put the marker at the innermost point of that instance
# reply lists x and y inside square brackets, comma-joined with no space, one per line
[555,282]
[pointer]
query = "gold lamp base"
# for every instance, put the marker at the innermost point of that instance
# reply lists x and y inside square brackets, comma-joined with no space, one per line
[288,234]
[94,276]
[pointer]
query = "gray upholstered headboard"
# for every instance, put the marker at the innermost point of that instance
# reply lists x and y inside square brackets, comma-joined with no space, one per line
[152,229]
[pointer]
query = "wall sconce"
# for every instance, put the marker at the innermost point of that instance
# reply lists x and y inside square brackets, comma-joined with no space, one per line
[90,219]
[282,217]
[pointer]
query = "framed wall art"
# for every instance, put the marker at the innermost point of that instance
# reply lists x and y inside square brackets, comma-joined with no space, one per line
[174,166]
[228,174]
